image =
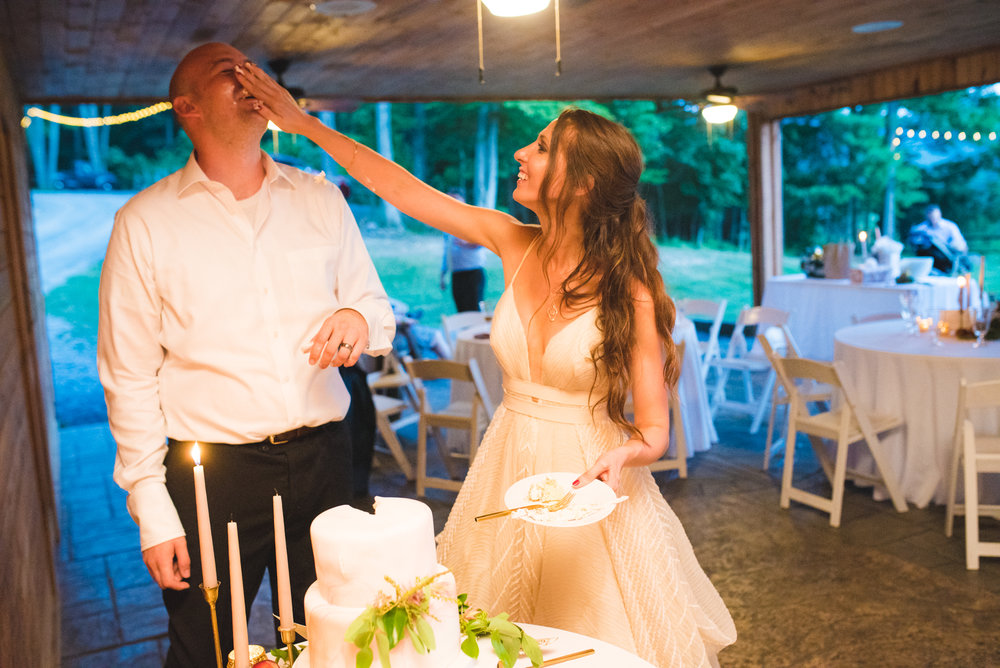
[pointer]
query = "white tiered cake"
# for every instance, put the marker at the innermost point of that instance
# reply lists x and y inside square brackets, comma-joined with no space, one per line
[354,551]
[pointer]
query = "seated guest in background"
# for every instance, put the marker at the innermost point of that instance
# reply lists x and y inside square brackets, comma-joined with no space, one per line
[231,292]
[464,260]
[939,238]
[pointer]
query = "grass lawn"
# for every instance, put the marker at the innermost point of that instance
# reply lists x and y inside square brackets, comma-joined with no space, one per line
[410,269]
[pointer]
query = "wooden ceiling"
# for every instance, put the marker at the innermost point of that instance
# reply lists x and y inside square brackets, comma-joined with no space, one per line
[406,50]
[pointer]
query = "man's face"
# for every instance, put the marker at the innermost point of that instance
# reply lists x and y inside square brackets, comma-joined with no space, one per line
[934,216]
[224,107]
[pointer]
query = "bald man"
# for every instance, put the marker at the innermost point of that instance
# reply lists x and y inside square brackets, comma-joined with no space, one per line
[231,293]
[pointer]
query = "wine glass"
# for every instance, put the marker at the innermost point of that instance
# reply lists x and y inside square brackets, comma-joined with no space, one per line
[982,315]
[907,310]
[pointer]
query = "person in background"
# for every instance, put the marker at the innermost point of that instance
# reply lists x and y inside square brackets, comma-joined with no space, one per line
[464,261]
[939,238]
[583,321]
[231,292]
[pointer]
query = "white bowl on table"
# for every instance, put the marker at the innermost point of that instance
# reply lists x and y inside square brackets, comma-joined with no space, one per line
[918,268]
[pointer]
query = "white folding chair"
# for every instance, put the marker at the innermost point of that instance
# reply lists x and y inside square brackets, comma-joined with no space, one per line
[392,377]
[974,454]
[748,363]
[390,411]
[714,312]
[454,323]
[456,415]
[679,460]
[846,424]
[811,393]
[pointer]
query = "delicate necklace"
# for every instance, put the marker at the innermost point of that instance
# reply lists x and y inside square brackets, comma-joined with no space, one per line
[553,311]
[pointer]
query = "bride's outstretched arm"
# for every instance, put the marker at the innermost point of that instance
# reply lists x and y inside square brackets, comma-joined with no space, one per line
[493,229]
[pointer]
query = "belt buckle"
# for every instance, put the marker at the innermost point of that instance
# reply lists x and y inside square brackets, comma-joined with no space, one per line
[273,440]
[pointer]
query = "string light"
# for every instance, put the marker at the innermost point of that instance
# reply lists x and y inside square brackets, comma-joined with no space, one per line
[946,135]
[97,121]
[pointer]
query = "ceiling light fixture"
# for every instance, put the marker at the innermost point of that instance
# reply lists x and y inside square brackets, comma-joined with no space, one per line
[508,8]
[515,7]
[720,107]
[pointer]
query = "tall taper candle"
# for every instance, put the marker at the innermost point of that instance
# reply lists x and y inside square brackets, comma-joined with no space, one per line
[241,641]
[285,619]
[209,577]
[982,273]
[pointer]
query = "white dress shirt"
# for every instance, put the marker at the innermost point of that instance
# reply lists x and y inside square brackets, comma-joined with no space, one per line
[204,316]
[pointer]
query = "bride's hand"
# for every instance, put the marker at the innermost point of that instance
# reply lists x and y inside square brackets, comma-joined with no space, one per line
[274,102]
[607,468]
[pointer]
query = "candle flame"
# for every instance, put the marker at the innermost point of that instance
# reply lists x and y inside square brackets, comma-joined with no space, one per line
[196,454]
[862,236]
[961,281]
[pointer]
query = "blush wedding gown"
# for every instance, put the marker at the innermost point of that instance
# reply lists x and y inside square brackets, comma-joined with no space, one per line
[631,579]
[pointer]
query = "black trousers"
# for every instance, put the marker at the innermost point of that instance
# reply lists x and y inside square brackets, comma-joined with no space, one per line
[312,474]
[467,288]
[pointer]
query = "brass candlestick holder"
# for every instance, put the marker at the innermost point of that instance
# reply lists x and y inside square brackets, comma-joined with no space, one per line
[288,637]
[211,596]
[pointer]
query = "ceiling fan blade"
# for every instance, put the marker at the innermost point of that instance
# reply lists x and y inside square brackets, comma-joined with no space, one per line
[327,104]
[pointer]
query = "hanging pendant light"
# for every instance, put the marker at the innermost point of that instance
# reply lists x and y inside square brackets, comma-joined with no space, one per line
[515,7]
[719,99]
[508,8]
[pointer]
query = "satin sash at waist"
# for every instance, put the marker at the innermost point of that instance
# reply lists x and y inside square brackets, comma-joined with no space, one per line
[549,403]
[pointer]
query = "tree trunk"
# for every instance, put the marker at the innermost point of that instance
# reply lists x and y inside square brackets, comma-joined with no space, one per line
[52,165]
[889,202]
[383,142]
[485,186]
[419,141]
[92,139]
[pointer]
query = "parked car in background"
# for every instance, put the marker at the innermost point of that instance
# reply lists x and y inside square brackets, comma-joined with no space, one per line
[84,177]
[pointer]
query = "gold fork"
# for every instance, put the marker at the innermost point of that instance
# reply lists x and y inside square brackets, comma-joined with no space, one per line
[551,506]
[563,502]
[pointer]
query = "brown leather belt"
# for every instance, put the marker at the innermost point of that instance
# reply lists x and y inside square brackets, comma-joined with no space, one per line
[291,435]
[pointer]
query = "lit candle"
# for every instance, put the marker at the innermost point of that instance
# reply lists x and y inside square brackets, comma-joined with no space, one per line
[209,577]
[285,620]
[961,296]
[241,640]
[982,273]
[863,238]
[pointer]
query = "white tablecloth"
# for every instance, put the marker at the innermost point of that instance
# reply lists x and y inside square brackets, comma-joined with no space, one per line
[698,427]
[901,374]
[819,307]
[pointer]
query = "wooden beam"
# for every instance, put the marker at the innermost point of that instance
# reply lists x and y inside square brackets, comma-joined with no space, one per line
[930,77]
[767,229]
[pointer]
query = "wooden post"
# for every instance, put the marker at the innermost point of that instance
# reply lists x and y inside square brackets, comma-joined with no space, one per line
[767,230]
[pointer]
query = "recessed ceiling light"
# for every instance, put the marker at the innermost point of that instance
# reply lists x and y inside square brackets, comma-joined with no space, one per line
[339,8]
[876,26]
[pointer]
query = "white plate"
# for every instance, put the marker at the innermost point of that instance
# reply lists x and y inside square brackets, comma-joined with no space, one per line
[591,503]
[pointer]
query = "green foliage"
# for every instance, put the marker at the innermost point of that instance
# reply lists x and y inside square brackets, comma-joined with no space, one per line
[388,620]
[508,639]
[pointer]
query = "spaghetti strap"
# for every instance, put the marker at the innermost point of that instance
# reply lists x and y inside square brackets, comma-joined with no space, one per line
[521,263]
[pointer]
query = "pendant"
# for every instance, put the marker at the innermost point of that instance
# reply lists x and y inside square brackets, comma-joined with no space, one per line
[553,312]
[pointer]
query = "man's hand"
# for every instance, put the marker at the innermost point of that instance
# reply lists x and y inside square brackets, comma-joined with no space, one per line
[340,341]
[169,563]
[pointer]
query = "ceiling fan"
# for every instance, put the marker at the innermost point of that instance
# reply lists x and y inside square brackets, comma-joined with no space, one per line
[719,107]
[281,65]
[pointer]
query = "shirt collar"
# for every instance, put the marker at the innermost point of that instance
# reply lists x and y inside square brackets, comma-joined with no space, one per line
[192,173]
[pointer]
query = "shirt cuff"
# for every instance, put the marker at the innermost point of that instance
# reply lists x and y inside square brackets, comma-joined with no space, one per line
[381,327]
[150,506]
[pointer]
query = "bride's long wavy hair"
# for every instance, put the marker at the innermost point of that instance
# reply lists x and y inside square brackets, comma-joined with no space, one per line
[603,160]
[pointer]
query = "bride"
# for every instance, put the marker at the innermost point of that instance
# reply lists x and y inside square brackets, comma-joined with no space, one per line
[583,322]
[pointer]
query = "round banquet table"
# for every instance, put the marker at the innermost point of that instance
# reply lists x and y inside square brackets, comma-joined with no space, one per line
[474,343]
[561,644]
[897,373]
[818,307]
